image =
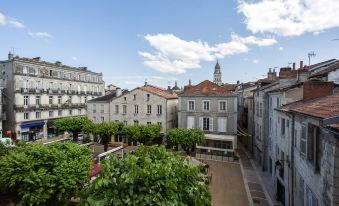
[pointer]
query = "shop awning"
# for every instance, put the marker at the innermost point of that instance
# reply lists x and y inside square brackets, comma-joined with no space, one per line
[33,125]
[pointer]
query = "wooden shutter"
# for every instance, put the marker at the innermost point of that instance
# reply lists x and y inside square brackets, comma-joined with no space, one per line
[201,122]
[310,142]
[211,124]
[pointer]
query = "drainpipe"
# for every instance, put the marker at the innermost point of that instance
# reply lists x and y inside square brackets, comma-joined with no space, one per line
[253,109]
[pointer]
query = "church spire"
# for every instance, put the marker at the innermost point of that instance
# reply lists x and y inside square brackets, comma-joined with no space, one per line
[217,74]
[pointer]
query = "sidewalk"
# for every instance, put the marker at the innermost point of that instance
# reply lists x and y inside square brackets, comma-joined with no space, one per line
[255,188]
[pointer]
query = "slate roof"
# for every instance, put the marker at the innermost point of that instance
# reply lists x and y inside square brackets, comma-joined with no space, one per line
[159,91]
[104,98]
[329,69]
[323,107]
[206,88]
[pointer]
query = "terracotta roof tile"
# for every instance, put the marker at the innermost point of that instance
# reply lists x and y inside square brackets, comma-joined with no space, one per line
[159,91]
[206,87]
[323,107]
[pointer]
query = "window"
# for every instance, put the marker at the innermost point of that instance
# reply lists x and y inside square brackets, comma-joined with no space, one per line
[125,98]
[222,124]
[134,97]
[149,109]
[94,108]
[50,99]
[159,109]
[191,105]
[149,123]
[70,112]
[312,143]
[102,108]
[159,123]
[50,85]
[59,113]
[37,100]
[25,100]
[148,97]
[136,122]
[26,115]
[190,122]
[206,123]
[102,119]
[50,73]
[206,105]
[303,140]
[116,109]
[136,109]
[50,113]
[85,99]
[125,122]
[282,129]
[59,99]
[124,109]
[79,111]
[260,110]
[301,190]
[222,106]
[38,115]
[70,99]
[278,102]
[37,85]
[25,69]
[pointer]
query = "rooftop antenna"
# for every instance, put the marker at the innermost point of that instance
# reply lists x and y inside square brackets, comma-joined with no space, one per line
[310,55]
[13,50]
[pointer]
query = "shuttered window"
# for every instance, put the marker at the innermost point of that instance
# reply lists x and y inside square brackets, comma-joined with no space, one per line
[190,122]
[221,124]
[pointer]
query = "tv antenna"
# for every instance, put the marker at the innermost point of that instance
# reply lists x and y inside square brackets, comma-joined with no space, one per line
[310,55]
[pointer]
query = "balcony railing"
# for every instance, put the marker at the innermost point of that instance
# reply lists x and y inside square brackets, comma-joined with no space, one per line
[55,91]
[48,106]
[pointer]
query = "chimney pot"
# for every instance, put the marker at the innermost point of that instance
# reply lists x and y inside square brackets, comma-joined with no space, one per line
[301,64]
[293,66]
[118,92]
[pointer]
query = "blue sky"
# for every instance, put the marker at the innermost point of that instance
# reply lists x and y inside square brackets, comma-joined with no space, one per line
[164,41]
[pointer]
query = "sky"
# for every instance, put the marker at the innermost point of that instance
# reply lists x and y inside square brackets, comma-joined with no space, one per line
[171,40]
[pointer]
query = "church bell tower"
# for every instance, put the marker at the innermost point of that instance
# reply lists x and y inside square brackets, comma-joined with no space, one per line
[217,74]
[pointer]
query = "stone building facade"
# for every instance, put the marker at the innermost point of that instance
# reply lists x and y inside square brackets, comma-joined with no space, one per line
[213,109]
[37,92]
[147,104]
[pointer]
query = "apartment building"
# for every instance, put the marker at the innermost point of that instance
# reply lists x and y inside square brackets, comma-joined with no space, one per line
[37,92]
[213,109]
[147,104]
[307,163]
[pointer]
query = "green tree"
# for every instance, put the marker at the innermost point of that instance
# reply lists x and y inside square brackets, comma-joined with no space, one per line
[144,134]
[187,138]
[75,125]
[45,174]
[105,130]
[152,176]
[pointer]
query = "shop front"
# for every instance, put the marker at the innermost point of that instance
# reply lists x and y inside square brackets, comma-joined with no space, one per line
[32,131]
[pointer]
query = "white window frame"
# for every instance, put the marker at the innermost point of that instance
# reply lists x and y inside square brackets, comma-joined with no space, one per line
[159,109]
[136,109]
[149,109]
[26,115]
[192,125]
[219,105]
[209,105]
[188,105]
[124,109]
[303,139]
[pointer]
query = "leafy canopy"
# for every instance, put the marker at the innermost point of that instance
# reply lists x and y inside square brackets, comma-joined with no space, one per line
[143,133]
[187,138]
[105,130]
[72,124]
[44,174]
[152,176]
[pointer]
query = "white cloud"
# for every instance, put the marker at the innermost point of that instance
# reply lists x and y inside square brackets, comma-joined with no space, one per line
[290,17]
[44,35]
[255,61]
[7,21]
[174,55]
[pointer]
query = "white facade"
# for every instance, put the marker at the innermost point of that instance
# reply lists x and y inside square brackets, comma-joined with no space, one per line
[38,92]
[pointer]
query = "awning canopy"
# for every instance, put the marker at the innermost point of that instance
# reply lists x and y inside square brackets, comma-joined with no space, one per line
[33,125]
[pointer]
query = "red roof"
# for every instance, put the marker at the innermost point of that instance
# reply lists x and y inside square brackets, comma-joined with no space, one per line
[159,91]
[323,107]
[206,87]
[329,69]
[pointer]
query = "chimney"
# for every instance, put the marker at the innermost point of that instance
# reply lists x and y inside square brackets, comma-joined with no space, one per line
[10,56]
[189,83]
[168,88]
[37,59]
[293,66]
[271,75]
[301,64]
[118,92]
[316,89]
[58,63]
[145,83]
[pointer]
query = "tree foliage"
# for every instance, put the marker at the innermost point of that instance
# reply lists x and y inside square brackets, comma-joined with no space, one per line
[187,138]
[72,124]
[45,174]
[152,176]
[144,134]
[105,130]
